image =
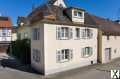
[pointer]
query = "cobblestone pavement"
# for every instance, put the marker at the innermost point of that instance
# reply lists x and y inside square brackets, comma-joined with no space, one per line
[99,71]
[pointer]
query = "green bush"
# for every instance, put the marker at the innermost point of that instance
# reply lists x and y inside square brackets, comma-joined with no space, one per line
[21,50]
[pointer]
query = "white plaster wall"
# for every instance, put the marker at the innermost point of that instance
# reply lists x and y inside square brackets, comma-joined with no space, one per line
[14,36]
[51,45]
[6,38]
[113,43]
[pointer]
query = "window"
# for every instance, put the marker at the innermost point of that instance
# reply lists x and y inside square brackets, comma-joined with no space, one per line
[115,51]
[115,37]
[64,55]
[36,34]
[108,37]
[25,35]
[78,32]
[4,34]
[9,33]
[87,51]
[78,13]
[87,33]
[75,13]
[36,55]
[64,33]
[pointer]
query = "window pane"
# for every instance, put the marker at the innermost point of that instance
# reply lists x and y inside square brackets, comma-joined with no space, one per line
[77,32]
[75,13]
[79,14]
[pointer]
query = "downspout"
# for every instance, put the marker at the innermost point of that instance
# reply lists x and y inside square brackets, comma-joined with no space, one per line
[99,56]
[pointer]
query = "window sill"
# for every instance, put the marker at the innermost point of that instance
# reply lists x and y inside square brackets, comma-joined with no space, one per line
[87,56]
[63,38]
[63,61]
[79,17]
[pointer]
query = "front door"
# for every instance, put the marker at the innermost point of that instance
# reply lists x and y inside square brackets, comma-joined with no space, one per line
[107,54]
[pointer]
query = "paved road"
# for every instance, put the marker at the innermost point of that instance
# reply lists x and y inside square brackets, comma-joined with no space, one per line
[101,71]
[15,70]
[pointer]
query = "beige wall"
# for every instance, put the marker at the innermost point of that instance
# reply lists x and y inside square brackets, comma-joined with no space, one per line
[113,43]
[51,45]
[38,44]
[48,45]
[14,36]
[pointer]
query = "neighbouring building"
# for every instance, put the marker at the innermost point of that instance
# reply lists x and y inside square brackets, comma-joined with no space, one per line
[108,39]
[5,33]
[62,38]
[14,33]
[23,30]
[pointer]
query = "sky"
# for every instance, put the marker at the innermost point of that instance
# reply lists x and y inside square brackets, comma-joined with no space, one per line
[103,8]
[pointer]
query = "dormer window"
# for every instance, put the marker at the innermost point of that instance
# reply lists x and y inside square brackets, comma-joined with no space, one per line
[77,13]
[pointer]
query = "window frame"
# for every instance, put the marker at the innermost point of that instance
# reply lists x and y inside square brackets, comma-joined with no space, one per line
[87,52]
[36,34]
[64,55]
[86,33]
[36,55]
[78,34]
[76,14]
[64,33]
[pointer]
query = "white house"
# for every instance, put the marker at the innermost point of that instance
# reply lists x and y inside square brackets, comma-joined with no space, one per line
[5,33]
[23,29]
[62,38]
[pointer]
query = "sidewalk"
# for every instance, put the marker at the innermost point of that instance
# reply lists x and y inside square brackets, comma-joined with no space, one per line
[97,71]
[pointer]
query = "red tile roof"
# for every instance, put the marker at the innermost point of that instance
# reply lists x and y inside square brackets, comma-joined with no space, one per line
[5,22]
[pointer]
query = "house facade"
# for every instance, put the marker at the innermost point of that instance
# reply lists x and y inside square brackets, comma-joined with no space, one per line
[108,39]
[5,33]
[14,33]
[23,30]
[62,38]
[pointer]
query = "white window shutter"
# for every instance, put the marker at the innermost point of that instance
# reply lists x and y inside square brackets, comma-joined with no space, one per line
[91,51]
[91,33]
[58,32]
[58,56]
[70,54]
[83,52]
[70,33]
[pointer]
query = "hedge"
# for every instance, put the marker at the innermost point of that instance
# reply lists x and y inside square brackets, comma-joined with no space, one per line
[21,50]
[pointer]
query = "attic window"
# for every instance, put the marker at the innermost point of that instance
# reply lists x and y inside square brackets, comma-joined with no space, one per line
[77,13]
